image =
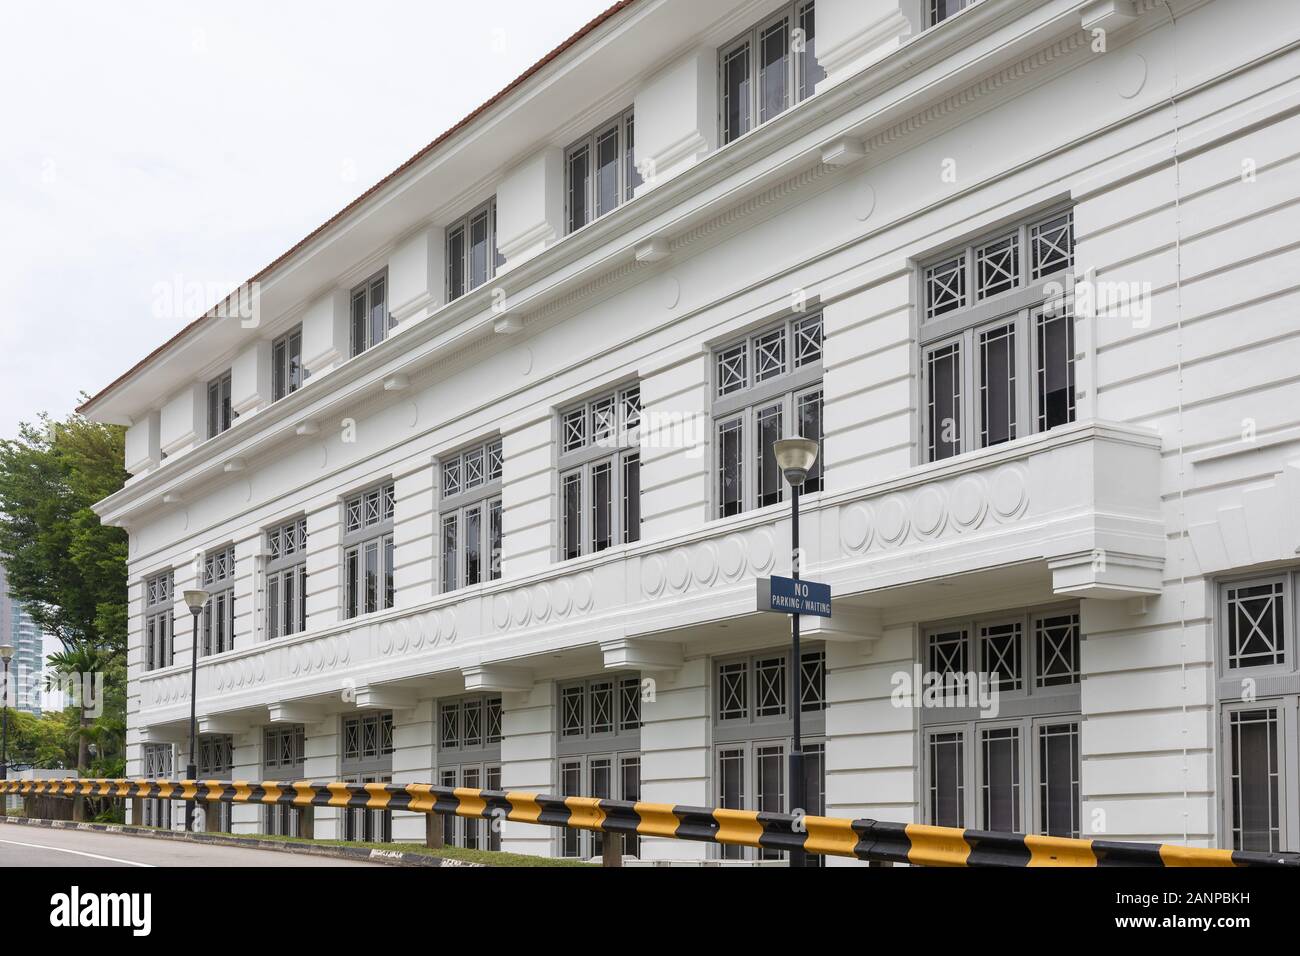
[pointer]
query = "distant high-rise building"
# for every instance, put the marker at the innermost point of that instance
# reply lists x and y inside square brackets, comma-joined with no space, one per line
[28,664]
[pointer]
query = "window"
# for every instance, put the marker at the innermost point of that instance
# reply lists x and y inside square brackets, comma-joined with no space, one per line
[469,755]
[470,516]
[600,473]
[159,625]
[998,773]
[283,749]
[367,757]
[371,322]
[599,751]
[156,763]
[752,733]
[219,612]
[766,386]
[368,552]
[220,415]
[997,361]
[216,762]
[472,257]
[600,172]
[286,579]
[940,10]
[768,69]
[1259,713]
[287,372]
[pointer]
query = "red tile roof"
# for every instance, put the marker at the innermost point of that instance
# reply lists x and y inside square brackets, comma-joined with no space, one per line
[354,204]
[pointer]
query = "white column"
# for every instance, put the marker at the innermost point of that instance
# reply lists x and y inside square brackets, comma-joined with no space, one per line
[853,34]
[324,566]
[321,763]
[413,536]
[675,742]
[676,435]
[528,762]
[528,509]
[530,206]
[677,117]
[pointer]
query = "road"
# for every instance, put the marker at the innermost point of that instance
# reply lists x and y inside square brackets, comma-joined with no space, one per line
[37,846]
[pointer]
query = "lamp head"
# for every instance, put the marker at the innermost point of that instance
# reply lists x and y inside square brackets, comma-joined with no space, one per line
[6,652]
[795,457]
[196,599]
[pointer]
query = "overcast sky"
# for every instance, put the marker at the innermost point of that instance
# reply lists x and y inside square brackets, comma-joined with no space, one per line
[146,142]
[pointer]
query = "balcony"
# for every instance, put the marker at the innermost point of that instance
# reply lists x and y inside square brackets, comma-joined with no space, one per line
[1073,513]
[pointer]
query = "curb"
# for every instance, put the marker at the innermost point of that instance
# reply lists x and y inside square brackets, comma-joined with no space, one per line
[387,857]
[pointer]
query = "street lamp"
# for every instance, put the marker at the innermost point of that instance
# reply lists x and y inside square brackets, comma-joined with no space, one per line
[795,458]
[195,600]
[6,655]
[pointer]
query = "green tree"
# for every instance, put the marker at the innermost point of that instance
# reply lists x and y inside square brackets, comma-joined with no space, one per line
[69,570]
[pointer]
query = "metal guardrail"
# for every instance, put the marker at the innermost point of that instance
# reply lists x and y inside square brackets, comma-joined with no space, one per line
[869,840]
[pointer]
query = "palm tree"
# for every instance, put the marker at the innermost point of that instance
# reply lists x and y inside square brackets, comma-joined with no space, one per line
[82,662]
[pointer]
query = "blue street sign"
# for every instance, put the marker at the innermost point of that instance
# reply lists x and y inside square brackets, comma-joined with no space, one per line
[788,596]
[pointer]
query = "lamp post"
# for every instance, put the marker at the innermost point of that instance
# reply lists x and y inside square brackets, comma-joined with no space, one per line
[795,458]
[195,600]
[6,655]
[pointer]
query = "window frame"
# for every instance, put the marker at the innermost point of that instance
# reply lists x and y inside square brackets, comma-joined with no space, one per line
[628,178]
[365,292]
[932,18]
[219,582]
[286,356]
[616,450]
[800,79]
[154,646]
[740,407]
[356,541]
[456,501]
[285,564]
[461,265]
[220,411]
[1025,307]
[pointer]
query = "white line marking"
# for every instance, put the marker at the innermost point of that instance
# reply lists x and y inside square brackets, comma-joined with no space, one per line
[59,849]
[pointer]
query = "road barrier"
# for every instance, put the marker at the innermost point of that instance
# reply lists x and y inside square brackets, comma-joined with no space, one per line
[868,840]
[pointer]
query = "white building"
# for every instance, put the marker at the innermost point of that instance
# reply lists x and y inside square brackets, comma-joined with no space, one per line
[483,488]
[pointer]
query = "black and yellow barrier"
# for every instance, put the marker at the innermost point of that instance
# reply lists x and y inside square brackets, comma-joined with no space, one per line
[870,840]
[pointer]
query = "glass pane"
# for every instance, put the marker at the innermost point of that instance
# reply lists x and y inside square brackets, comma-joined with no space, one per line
[1001,786]
[947,780]
[602,506]
[456,263]
[351,572]
[290,603]
[359,340]
[997,349]
[943,401]
[632,178]
[389,590]
[571,516]
[378,312]
[735,93]
[295,361]
[279,371]
[1055,370]
[1058,788]
[494,540]
[809,414]
[773,71]
[473,544]
[450,555]
[730,468]
[478,250]
[372,577]
[579,163]
[570,785]
[273,606]
[632,498]
[1255,780]
[1256,625]
[607,163]
[1000,654]
[810,71]
[770,481]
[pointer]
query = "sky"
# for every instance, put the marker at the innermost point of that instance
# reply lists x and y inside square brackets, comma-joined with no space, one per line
[150,146]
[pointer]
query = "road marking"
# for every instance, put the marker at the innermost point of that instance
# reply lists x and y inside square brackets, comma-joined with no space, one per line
[59,849]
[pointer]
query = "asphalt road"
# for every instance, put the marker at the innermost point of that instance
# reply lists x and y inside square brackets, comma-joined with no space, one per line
[36,846]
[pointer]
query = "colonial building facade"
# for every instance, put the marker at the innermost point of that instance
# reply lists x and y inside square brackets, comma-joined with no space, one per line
[482,483]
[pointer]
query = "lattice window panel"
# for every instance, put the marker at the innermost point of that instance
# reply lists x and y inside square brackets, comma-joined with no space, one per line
[631,404]
[1058,649]
[354,515]
[494,461]
[948,652]
[1000,653]
[449,725]
[494,720]
[604,421]
[769,687]
[472,723]
[474,468]
[572,723]
[997,266]
[573,429]
[732,375]
[732,691]
[352,739]
[945,287]
[807,341]
[451,477]
[1256,625]
[1051,245]
[629,692]
[812,683]
[769,355]
[602,707]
